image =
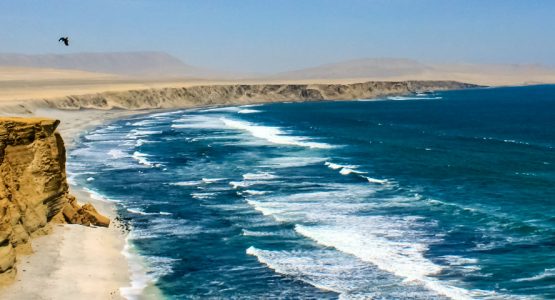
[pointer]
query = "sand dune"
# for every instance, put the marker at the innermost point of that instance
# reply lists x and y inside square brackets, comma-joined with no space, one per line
[11,74]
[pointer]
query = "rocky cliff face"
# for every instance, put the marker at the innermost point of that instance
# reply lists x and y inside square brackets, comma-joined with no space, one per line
[245,94]
[33,187]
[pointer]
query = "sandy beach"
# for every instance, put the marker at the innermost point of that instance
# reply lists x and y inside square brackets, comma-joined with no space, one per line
[74,260]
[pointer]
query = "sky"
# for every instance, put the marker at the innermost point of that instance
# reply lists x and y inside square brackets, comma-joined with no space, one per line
[280,35]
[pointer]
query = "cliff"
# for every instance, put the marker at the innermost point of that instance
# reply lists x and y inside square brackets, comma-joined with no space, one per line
[246,93]
[33,187]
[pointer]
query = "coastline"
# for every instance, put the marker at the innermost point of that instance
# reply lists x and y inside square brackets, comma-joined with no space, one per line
[92,260]
[96,261]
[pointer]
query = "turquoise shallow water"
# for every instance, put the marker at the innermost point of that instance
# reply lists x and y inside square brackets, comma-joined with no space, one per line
[445,195]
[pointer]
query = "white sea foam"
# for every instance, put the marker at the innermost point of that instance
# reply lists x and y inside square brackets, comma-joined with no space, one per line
[374,180]
[142,159]
[347,171]
[273,134]
[140,142]
[248,111]
[144,270]
[138,133]
[89,179]
[139,211]
[248,183]
[212,180]
[222,109]
[259,176]
[313,206]
[413,98]
[144,122]
[254,192]
[547,273]
[96,136]
[165,114]
[351,169]
[198,122]
[292,162]
[239,184]
[71,179]
[401,257]
[201,196]
[331,270]
[344,169]
[117,153]
[396,245]
[251,105]
[186,183]
[138,273]
[464,264]
[281,233]
[335,166]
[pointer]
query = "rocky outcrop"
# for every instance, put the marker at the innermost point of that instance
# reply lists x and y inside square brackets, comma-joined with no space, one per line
[247,94]
[85,215]
[33,187]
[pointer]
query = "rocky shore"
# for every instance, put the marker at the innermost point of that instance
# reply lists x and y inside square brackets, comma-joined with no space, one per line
[33,188]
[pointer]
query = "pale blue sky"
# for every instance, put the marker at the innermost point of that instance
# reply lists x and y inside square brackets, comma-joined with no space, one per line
[277,35]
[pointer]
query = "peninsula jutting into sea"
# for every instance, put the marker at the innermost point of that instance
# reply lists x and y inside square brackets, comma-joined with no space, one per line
[276,150]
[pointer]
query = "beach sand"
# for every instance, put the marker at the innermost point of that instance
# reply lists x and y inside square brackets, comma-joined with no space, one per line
[75,262]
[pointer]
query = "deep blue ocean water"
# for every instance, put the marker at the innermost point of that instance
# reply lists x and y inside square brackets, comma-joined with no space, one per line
[445,195]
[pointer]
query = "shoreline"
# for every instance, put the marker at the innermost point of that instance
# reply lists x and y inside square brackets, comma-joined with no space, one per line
[93,259]
[99,262]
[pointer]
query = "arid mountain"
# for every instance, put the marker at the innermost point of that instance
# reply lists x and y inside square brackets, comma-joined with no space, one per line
[371,67]
[406,69]
[130,64]
[159,66]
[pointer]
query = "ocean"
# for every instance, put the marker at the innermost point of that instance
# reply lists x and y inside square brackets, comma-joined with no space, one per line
[447,195]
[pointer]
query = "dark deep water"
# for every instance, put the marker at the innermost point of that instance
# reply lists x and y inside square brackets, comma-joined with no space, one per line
[450,195]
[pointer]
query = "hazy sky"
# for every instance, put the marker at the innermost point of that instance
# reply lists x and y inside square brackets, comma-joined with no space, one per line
[276,35]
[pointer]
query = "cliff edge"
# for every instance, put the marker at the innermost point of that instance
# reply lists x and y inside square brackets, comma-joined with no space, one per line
[195,96]
[33,188]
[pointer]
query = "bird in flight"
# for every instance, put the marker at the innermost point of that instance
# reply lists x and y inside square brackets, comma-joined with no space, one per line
[65,40]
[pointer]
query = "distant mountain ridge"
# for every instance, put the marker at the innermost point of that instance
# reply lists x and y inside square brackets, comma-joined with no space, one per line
[134,64]
[407,69]
[162,66]
[366,67]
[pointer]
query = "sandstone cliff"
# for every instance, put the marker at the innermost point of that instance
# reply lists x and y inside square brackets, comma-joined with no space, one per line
[245,94]
[33,187]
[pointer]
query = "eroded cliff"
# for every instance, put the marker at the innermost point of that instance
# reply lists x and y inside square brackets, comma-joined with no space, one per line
[33,187]
[246,93]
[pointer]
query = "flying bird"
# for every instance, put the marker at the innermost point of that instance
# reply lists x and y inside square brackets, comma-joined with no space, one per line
[65,40]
